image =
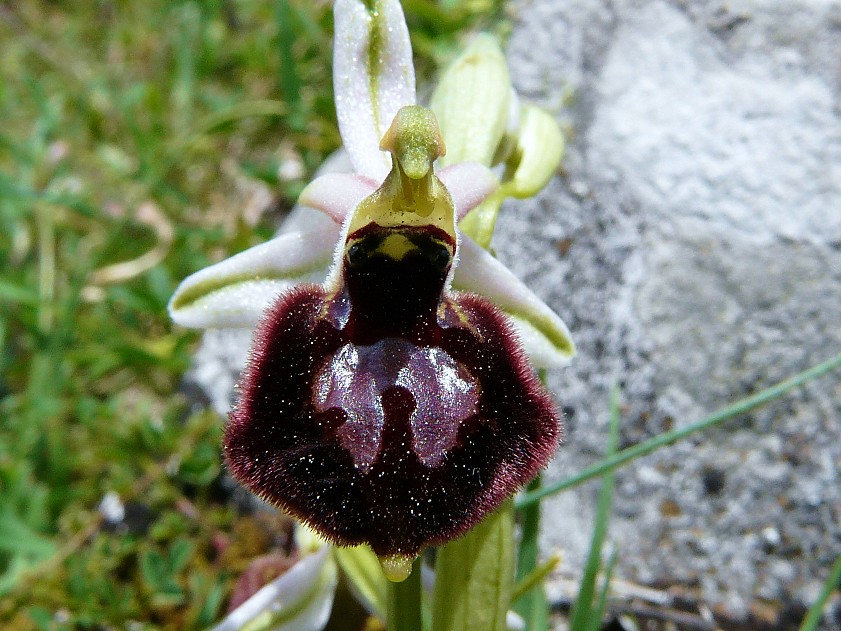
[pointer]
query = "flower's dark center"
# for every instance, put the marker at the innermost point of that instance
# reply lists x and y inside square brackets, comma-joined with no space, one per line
[394,279]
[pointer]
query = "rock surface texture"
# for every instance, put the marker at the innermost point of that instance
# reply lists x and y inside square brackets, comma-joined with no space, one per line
[693,246]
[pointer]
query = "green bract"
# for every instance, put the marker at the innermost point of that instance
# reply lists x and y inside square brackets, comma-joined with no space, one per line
[483,119]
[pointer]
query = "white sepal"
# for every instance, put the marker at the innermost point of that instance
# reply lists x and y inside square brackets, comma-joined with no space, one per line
[373,77]
[544,335]
[300,600]
[337,194]
[235,292]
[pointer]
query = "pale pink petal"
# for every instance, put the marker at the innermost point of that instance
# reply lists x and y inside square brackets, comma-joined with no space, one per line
[544,335]
[373,77]
[469,183]
[235,292]
[337,194]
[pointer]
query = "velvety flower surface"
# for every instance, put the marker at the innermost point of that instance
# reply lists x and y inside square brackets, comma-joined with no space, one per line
[382,406]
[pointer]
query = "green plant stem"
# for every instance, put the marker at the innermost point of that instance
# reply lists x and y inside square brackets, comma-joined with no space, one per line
[532,605]
[474,576]
[813,618]
[632,453]
[584,616]
[404,602]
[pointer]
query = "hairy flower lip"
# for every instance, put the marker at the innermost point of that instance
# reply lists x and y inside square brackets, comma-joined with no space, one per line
[293,459]
[381,407]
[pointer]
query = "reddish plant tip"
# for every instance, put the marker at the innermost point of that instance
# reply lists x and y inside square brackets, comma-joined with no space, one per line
[390,413]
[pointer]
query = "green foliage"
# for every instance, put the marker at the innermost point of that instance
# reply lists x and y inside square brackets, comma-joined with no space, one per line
[587,611]
[832,583]
[531,604]
[475,576]
[138,139]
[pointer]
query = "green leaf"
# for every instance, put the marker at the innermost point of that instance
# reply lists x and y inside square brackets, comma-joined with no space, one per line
[474,577]
[726,413]
[362,570]
[11,293]
[290,81]
[583,611]
[17,537]
[179,555]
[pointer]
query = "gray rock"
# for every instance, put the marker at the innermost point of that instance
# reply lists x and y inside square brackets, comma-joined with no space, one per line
[693,246]
[694,249]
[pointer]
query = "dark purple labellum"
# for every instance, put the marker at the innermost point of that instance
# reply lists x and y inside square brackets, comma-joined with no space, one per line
[391,412]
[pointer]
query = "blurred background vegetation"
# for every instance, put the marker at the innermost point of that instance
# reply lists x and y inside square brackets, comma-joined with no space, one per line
[139,142]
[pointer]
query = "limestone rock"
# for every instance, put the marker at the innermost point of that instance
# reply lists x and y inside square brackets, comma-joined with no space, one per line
[693,246]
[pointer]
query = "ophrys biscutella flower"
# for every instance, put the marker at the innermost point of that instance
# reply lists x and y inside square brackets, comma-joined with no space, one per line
[383,406]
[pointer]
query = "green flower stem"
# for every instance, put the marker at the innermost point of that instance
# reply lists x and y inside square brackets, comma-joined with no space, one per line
[404,602]
[632,453]
[532,605]
[813,618]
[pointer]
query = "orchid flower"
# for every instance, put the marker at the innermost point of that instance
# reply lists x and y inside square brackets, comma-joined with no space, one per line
[386,405]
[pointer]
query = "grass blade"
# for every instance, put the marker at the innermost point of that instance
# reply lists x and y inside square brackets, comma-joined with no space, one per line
[601,604]
[726,413]
[813,617]
[582,611]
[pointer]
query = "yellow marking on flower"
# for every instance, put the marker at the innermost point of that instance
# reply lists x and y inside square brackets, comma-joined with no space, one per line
[396,246]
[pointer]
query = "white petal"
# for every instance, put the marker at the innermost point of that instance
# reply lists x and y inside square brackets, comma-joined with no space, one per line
[300,600]
[235,292]
[337,194]
[469,184]
[544,335]
[373,77]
